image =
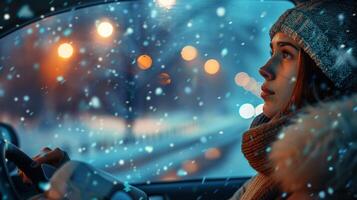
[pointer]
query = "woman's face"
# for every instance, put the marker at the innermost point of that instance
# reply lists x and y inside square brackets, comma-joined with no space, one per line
[280,73]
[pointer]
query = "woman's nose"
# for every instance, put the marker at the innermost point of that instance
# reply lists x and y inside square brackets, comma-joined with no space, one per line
[267,71]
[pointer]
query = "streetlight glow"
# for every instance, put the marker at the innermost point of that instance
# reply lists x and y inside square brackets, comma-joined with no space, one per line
[212,66]
[65,50]
[166,3]
[144,62]
[105,29]
[189,53]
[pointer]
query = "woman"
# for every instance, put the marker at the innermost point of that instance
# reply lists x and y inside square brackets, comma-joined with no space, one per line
[302,70]
[312,61]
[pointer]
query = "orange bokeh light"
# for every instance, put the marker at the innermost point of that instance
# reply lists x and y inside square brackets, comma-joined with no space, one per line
[190,166]
[164,78]
[170,176]
[189,53]
[144,62]
[212,66]
[57,64]
[212,154]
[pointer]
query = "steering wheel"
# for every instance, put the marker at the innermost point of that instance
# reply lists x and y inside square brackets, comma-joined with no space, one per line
[24,163]
[8,133]
[74,174]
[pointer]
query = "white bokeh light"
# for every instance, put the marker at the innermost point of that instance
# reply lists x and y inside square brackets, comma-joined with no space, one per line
[246,111]
[105,29]
[221,11]
[166,3]
[6,16]
[259,109]
[65,50]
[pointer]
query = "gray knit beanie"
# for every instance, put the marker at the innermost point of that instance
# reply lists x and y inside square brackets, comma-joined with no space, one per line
[326,30]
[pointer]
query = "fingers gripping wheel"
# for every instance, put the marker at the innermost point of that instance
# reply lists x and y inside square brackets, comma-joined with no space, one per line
[24,163]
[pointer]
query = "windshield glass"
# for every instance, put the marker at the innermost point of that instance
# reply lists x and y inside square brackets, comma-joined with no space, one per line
[147,91]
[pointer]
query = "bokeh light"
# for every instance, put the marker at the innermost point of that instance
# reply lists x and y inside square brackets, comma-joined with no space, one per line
[247,111]
[242,79]
[166,3]
[212,154]
[259,109]
[220,11]
[164,78]
[144,62]
[190,166]
[65,50]
[170,176]
[105,29]
[253,86]
[211,66]
[189,53]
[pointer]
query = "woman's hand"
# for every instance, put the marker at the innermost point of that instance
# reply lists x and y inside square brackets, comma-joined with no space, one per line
[56,158]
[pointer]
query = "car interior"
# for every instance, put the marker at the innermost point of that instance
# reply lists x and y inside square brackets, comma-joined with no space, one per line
[180,152]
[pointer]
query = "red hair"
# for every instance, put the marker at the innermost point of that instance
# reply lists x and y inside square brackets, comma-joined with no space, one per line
[311,86]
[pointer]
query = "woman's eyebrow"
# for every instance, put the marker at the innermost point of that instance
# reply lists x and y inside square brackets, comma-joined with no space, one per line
[281,44]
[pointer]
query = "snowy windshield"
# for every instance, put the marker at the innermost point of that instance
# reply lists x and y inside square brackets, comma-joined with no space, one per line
[147,91]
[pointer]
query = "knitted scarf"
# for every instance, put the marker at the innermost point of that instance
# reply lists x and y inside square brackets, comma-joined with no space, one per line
[255,147]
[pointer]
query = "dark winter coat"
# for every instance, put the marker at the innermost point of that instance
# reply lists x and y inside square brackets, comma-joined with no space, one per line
[316,157]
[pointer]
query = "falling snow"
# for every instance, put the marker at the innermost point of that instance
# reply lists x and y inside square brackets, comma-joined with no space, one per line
[139,119]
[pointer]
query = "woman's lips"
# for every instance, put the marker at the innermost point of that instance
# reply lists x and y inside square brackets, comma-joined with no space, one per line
[266,92]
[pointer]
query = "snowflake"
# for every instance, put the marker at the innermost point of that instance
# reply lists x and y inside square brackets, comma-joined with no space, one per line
[127,187]
[25,12]
[322,194]
[343,57]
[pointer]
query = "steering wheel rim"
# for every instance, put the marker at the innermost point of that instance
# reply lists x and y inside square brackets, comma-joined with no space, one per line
[24,163]
[12,133]
[8,133]
[6,185]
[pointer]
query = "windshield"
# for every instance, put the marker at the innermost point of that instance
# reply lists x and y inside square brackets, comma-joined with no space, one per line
[147,91]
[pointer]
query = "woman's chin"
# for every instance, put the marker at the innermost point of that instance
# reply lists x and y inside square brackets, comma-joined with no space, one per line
[268,110]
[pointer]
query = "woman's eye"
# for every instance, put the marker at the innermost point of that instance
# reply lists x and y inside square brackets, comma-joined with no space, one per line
[286,55]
